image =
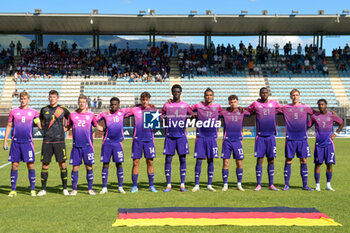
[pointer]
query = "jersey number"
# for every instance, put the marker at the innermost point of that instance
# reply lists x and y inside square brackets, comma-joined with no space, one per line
[23,120]
[81,123]
[266,112]
[115,119]
[234,118]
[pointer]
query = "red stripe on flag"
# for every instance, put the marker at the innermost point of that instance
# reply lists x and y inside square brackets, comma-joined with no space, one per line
[218,215]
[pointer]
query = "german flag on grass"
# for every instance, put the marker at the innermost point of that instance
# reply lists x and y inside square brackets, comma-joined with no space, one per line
[210,216]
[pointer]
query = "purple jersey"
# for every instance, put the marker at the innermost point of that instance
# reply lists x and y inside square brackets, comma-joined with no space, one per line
[114,125]
[22,120]
[141,133]
[324,127]
[233,124]
[295,118]
[208,115]
[82,128]
[265,117]
[176,115]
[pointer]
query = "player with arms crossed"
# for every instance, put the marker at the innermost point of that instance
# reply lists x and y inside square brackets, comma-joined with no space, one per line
[82,121]
[206,142]
[295,117]
[324,146]
[143,142]
[265,141]
[112,142]
[232,141]
[22,148]
[52,117]
[175,137]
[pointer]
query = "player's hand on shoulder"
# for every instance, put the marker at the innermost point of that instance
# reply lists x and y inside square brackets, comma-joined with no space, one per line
[108,111]
[169,101]
[241,109]
[100,128]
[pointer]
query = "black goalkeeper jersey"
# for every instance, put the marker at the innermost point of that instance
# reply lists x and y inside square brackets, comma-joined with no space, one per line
[52,120]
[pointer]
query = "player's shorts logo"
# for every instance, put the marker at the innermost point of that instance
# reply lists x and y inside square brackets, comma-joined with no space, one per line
[151,120]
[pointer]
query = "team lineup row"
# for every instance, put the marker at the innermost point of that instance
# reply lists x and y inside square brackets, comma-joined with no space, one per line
[52,120]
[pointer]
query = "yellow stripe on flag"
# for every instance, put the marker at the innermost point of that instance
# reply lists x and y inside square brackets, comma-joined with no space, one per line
[236,222]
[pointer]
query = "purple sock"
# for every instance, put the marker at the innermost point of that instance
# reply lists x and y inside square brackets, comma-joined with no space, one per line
[134,178]
[329,176]
[304,173]
[151,179]
[104,176]
[287,172]
[271,172]
[120,175]
[75,177]
[183,167]
[14,176]
[317,178]
[90,178]
[258,171]
[31,175]
[210,172]
[239,174]
[167,168]
[197,171]
[225,175]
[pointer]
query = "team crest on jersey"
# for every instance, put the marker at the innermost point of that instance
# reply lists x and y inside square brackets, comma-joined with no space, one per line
[238,113]
[76,117]
[290,110]
[260,106]
[29,113]
[182,107]
[140,111]
[119,113]
[171,106]
[17,114]
[328,119]
[270,105]
[301,109]
[214,109]
[87,117]
[318,119]
[47,112]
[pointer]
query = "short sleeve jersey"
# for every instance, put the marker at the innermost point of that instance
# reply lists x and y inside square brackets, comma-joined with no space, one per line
[324,127]
[207,114]
[141,133]
[265,117]
[23,120]
[114,125]
[176,115]
[295,118]
[82,124]
[53,118]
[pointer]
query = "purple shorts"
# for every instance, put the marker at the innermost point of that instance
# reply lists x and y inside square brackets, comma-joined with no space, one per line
[80,153]
[22,152]
[146,147]
[229,147]
[206,148]
[180,144]
[326,154]
[112,149]
[265,146]
[301,148]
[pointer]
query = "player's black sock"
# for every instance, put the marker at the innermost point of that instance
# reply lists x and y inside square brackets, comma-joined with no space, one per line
[64,178]
[44,176]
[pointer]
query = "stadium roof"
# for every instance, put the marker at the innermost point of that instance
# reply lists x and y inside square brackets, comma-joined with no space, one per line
[84,24]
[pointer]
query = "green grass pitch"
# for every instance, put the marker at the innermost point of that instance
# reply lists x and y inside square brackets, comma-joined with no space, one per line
[84,213]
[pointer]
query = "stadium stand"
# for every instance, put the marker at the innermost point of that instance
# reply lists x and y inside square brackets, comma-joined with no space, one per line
[242,71]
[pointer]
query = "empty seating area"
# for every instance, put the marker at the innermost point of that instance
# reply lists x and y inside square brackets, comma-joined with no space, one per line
[193,90]
[311,89]
[2,82]
[38,90]
[346,83]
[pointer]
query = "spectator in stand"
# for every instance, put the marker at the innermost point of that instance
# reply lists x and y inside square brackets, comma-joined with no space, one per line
[89,102]
[15,93]
[3,74]
[325,70]
[19,48]
[99,102]
[95,104]
[12,48]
